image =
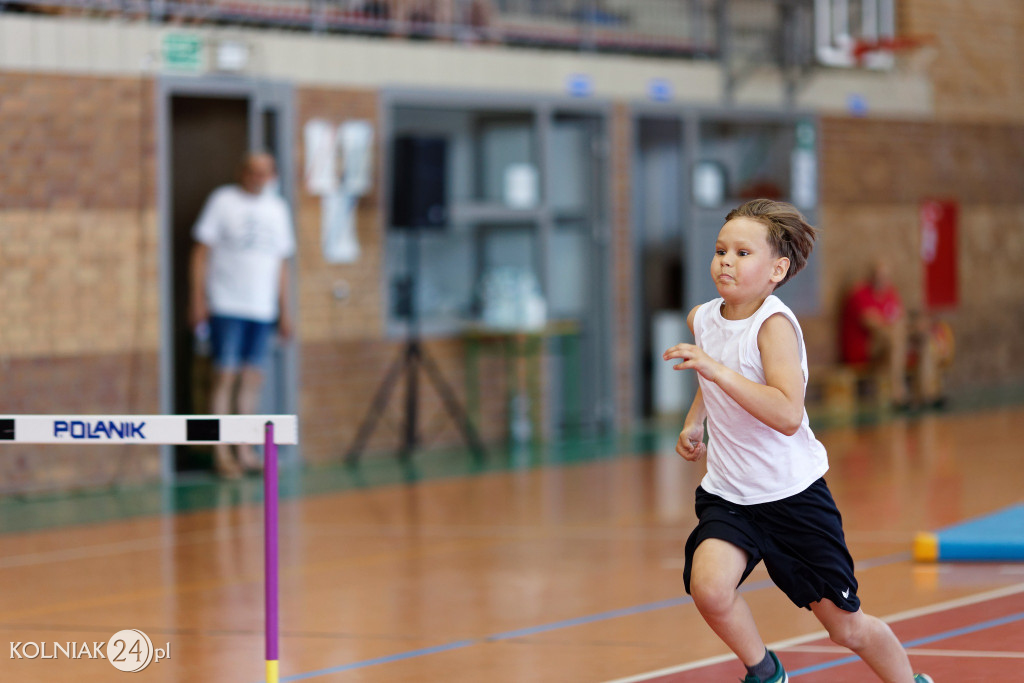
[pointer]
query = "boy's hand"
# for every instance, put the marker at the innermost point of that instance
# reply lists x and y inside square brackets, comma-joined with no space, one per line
[693,358]
[691,442]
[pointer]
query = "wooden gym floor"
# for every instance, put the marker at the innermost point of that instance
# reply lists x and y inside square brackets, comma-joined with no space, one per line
[562,571]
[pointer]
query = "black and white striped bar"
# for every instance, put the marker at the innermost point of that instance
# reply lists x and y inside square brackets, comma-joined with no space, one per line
[147,429]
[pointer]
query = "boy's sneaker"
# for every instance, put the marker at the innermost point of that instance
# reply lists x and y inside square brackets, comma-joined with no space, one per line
[780,674]
[923,678]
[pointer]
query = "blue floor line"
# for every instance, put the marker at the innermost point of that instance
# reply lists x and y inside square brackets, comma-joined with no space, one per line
[509,635]
[964,630]
[579,621]
[992,623]
[381,660]
[544,628]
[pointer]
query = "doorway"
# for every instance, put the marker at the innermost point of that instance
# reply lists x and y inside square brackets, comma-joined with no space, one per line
[659,233]
[205,129]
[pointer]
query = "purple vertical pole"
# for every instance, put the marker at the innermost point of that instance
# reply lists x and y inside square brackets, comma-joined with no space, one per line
[270,549]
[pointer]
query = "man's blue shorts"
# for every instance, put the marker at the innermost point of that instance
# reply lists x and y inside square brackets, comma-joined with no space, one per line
[237,342]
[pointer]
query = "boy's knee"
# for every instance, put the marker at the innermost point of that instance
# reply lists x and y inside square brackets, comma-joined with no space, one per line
[852,632]
[712,596]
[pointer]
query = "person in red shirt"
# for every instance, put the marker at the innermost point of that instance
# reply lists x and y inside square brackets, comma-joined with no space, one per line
[875,330]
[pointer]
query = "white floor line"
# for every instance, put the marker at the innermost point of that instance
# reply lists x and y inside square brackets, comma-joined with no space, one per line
[800,640]
[822,649]
[988,654]
[920,652]
[959,602]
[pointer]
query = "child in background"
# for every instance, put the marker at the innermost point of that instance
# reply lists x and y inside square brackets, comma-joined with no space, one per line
[764,497]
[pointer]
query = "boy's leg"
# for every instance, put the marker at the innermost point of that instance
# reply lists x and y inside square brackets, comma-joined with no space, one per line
[717,568]
[869,637]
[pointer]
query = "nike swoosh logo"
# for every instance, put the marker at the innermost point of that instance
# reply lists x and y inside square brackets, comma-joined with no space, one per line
[846,593]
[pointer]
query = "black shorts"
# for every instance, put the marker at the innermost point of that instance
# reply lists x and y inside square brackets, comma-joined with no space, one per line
[800,539]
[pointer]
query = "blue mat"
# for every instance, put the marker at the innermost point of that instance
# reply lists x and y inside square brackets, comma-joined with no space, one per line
[998,537]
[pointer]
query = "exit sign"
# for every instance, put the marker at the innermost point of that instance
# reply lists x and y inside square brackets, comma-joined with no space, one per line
[184,52]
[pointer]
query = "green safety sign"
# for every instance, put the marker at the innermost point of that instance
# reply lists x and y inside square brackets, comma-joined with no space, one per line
[183,51]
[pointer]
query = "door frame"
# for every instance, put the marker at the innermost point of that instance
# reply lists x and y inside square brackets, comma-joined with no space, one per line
[259,93]
[696,254]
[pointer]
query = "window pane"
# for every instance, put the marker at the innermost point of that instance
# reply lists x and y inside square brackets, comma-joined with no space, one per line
[567,271]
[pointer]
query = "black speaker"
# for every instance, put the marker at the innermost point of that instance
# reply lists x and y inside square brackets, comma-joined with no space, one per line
[419,192]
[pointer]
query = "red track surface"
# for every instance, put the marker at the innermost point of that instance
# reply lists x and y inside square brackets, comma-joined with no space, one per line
[960,644]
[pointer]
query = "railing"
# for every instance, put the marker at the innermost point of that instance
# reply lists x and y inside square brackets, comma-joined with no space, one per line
[742,34]
[679,28]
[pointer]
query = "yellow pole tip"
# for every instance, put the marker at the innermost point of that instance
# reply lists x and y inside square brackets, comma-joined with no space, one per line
[272,675]
[926,547]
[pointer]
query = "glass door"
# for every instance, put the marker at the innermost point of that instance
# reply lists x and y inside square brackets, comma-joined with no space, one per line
[525,201]
[578,272]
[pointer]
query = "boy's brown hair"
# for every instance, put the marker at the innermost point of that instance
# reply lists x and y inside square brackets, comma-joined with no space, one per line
[789,233]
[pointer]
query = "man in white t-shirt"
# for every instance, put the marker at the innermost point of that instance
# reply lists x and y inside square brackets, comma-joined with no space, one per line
[239,278]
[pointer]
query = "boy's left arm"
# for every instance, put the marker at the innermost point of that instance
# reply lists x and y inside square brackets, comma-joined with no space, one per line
[779,344]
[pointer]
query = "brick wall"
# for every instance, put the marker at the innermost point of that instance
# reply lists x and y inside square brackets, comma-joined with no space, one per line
[95,383]
[78,267]
[875,173]
[978,72]
[325,318]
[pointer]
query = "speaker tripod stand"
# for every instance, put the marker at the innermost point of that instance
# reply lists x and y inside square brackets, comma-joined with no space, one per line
[411,359]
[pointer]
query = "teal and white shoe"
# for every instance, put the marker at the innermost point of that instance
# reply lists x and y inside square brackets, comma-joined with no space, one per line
[923,678]
[780,674]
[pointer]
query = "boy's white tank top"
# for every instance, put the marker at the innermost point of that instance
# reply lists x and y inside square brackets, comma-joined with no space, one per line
[748,461]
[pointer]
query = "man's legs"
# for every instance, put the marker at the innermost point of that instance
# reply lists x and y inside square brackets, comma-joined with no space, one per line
[255,346]
[869,637]
[717,568]
[891,345]
[224,382]
[249,391]
[929,382]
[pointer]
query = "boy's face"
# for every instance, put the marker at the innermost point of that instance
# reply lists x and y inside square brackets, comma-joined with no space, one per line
[744,267]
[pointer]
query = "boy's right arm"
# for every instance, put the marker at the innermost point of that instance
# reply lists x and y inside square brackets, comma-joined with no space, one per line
[691,439]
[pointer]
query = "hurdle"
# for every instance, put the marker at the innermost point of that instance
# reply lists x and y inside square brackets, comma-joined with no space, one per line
[183,430]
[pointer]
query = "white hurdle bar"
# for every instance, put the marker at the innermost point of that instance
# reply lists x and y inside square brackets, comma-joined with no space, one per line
[147,429]
[158,430]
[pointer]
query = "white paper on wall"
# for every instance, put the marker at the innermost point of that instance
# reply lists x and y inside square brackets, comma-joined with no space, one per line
[340,241]
[321,169]
[355,145]
[354,150]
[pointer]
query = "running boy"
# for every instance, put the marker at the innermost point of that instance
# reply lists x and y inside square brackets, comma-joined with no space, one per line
[763,497]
